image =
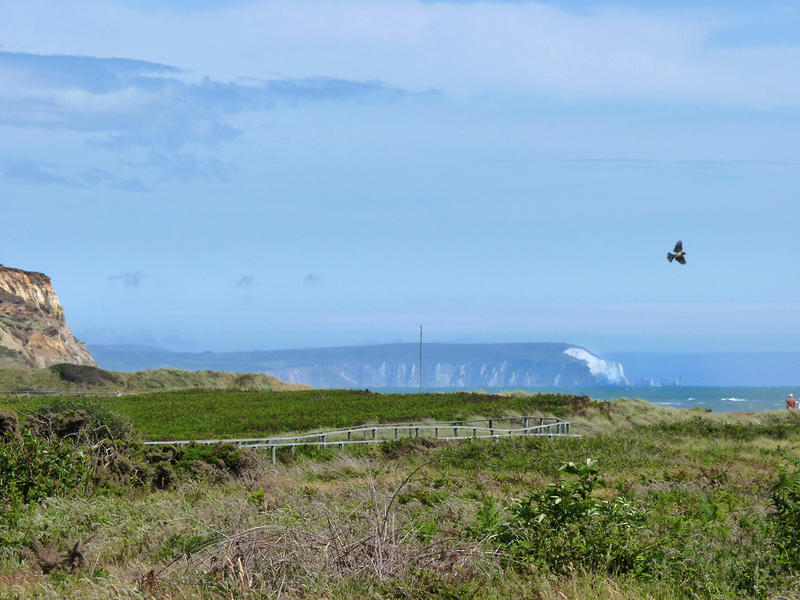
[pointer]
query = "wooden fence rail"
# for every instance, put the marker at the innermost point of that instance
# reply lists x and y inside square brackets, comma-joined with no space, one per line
[78,393]
[368,434]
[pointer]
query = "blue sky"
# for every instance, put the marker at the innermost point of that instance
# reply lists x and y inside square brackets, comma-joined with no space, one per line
[245,175]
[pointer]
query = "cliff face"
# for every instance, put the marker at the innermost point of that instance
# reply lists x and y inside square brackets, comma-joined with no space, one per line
[568,368]
[394,365]
[33,331]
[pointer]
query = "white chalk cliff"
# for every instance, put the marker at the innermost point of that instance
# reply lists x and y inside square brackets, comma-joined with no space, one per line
[395,365]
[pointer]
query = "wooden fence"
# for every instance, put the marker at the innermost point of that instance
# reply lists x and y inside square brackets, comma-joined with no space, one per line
[76,393]
[529,426]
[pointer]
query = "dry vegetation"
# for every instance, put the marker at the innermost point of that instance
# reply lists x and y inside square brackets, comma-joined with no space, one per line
[680,504]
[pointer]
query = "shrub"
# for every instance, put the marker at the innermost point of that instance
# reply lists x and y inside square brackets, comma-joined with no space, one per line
[786,500]
[32,468]
[117,463]
[564,526]
[9,424]
[224,456]
[163,476]
[80,419]
[6,296]
[199,459]
[84,374]
[705,428]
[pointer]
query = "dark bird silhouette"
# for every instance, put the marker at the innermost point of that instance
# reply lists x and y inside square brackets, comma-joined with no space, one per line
[677,254]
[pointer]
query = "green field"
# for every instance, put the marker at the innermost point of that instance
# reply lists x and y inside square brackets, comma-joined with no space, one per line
[203,414]
[671,504]
[213,414]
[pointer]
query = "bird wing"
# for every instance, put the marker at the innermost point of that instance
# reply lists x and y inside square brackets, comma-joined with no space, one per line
[678,246]
[681,259]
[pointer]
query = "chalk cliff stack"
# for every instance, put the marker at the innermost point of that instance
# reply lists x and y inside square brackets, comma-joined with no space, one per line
[33,331]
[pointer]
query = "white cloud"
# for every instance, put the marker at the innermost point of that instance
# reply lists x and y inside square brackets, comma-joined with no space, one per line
[129,102]
[462,48]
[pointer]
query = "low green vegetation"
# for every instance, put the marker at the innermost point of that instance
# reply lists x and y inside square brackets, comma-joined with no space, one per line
[649,504]
[93,380]
[205,414]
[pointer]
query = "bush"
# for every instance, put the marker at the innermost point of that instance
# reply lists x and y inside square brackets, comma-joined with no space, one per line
[32,469]
[564,527]
[84,374]
[226,457]
[81,420]
[705,428]
[163,476]
[214,461]
[786,500]
[9,424]
[6,296]
[117,463]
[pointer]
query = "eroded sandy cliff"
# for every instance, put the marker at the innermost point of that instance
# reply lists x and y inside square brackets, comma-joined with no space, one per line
[33,331]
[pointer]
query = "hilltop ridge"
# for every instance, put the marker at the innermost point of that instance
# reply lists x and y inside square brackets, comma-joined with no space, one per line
[72,378]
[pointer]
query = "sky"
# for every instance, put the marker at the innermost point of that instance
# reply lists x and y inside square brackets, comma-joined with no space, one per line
[245,175]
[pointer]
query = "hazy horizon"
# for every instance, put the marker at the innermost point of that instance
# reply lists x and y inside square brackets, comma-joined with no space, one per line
[276,174]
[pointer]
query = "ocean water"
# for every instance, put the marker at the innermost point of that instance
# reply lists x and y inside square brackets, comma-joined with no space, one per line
[718,399]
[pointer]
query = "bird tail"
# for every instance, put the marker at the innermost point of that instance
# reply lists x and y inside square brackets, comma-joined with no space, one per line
[670,256]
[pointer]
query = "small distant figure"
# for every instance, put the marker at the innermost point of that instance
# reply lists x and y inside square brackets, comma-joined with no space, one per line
[677,254]
[791,403]
[118,394]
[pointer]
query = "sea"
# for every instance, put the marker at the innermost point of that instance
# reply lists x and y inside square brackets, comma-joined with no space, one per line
[716,399]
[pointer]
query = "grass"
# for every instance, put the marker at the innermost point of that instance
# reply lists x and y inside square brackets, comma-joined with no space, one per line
[420,518]
[211,414]
[80,378]
[204,414]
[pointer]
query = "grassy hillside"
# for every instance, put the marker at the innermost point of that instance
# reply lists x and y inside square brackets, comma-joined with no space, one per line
[657,503]
[75,378]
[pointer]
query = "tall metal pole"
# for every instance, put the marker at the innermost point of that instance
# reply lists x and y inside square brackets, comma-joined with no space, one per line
[420,359]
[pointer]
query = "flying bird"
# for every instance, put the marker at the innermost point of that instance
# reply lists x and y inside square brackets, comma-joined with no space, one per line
[677,254]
